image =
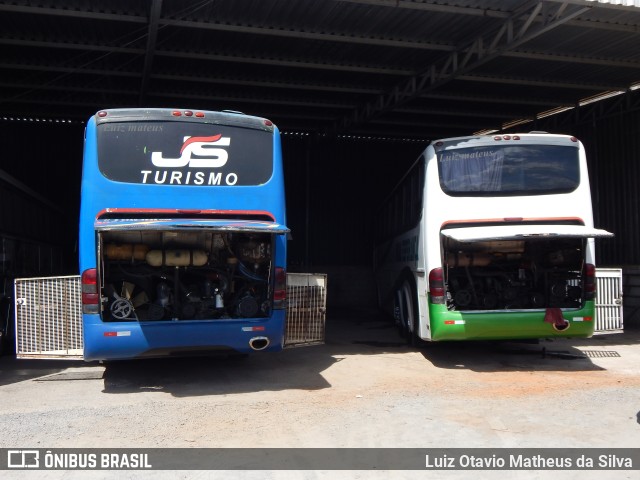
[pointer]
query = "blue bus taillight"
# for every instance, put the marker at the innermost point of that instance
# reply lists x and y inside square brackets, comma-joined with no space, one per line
[90,295]
[436,285]
[280,288]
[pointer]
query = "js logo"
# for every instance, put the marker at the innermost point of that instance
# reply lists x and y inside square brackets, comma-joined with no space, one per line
[23,459]
[197,152]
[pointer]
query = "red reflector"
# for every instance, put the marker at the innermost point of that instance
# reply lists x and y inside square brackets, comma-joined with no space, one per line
[280,287]
[258,329]
[436,276]
[176,113]
[268,123]
[516,137]
[89,285]
[439,144]
[574,139]
[90,298]
[200,114]
[436,285]
[497,138]
[281,277]
[110,334]
[588,319]
[507,137]
[102,114]
[188,113]
[449,322]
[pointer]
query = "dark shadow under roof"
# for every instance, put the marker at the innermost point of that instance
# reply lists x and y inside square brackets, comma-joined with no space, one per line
[399,68]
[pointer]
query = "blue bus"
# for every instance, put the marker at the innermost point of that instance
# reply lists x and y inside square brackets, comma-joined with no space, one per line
[182,243]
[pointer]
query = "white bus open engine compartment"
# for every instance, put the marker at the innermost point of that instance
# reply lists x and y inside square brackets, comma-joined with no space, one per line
[533,273]
[153,275]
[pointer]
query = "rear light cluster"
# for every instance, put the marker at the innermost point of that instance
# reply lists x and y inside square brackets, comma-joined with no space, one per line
[497,138]
[436,285]
[280,288]
[187,113]
[90,294]
[175,113]
[589,285]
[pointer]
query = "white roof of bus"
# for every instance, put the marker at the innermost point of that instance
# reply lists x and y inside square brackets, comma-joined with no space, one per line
[510,139]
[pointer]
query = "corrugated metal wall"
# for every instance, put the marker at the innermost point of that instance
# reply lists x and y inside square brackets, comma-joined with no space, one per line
[45,156]
[39,197]
[334,188]
[615,166]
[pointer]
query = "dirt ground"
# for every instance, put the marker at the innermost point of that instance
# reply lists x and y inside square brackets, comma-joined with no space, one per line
[363,388]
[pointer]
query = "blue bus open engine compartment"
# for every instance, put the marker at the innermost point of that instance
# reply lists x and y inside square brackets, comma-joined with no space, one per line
[185,275]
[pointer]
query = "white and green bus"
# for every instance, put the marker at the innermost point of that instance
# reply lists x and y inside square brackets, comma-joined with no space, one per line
[489,238]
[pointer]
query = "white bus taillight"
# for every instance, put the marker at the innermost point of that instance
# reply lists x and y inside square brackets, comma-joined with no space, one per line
[436,285]
[90,295]
[589,281]
[280,288]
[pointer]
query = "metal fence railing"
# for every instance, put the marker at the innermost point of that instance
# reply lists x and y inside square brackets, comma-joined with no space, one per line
[306,309]
[609,300]
[48,312]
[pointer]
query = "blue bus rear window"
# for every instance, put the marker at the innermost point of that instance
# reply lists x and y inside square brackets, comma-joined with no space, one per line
[509,170]
[184,153]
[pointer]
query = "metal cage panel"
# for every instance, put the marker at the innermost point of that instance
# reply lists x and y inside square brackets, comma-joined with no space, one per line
[306,309]
[609,300]
[48,316]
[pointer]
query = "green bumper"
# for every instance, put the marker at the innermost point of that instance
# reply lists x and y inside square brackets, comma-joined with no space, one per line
[454,325]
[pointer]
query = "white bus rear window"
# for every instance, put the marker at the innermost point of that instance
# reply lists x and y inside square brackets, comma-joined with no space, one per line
[509,170]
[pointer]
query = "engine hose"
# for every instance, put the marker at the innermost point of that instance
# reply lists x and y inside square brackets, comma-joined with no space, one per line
[247,273]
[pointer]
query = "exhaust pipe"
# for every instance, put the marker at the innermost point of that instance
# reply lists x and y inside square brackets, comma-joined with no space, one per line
[259,343]
[555,318]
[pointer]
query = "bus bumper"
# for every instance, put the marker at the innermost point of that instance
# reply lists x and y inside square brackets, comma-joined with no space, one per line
[124,340]
[508,325]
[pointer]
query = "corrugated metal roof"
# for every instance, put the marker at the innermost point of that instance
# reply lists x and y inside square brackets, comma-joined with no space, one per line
[416,68]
